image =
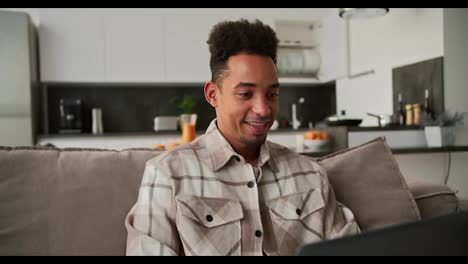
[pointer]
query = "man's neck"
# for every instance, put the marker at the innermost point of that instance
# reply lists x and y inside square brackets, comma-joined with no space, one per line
[249,153]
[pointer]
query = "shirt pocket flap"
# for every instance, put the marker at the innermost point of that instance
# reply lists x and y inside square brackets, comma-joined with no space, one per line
[211,212]
[299,205]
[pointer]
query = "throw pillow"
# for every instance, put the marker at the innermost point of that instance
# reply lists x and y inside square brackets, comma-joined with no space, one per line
[367,179]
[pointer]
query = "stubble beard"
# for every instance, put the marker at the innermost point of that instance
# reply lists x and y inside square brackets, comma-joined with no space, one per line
[257,142]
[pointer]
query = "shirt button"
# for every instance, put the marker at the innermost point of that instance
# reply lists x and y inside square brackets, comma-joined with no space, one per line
[237,158]
[250,184]
[298,211]
[258,233]
[209,218]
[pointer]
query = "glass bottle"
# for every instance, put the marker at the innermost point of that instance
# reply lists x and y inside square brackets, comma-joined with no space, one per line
[409,114]
[401,111]
[416,114]
[428,111]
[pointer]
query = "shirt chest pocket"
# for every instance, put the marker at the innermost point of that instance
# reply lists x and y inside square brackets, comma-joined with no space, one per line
[209,226]
[299,215]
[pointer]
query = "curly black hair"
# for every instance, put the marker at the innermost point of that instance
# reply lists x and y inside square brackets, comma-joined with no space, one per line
[230,38]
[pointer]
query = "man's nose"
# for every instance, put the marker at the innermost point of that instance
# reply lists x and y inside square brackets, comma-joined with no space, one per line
[261,107]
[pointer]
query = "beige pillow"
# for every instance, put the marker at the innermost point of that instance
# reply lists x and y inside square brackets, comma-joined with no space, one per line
[367,179]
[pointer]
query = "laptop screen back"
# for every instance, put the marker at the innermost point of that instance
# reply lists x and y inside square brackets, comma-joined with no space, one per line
[443,235]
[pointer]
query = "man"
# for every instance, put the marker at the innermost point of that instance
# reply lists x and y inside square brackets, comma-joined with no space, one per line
[231,192]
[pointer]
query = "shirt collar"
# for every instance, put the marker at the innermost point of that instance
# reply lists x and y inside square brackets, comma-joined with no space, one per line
[220,151]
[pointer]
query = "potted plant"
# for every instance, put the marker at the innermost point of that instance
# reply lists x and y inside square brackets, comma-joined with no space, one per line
[441,130]
[186,104]
[188,118]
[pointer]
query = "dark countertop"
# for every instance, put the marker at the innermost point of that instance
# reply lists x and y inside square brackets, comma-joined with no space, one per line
[429,150]
[399,151]
[387,128]
[115,134]
[201,132]
[354,128]
[281,130]
[147,133]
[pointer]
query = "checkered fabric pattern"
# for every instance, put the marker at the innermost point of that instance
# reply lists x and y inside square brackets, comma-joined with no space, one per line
[202,198]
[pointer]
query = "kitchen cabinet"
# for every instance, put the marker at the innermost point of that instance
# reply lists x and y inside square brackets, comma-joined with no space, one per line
[133,46]
[71,45]
[158,45]
[136,45]
[185,35]
[331,37]
[187,54]
[313,50]
[104,45]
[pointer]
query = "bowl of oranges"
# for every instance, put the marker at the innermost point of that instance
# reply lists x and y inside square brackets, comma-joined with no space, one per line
[316,139]
[165,147]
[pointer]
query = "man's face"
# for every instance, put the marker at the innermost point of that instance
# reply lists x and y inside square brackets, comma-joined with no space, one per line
[247,103]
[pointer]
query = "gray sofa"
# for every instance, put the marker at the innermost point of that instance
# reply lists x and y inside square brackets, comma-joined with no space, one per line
[74,201]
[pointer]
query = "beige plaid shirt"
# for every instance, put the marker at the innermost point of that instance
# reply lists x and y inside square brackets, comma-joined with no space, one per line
[202,198]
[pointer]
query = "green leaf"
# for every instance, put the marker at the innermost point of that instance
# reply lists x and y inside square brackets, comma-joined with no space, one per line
[186,104]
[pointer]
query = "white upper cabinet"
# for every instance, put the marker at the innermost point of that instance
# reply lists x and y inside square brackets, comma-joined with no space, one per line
[299,48]
[322,35]
[186,32]
[185,36]
[312,50]
[101,45]
[133,46]
[70,44]
[166,45]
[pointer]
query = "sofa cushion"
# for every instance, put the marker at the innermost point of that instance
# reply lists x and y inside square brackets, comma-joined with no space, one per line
[67,202]
[366,178]
[433,199]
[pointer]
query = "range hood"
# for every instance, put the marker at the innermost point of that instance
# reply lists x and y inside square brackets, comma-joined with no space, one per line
[352,13]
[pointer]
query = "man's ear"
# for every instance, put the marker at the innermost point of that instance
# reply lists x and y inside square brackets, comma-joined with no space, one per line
[210,90]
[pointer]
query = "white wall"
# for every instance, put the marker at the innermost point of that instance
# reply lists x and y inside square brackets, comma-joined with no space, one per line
[456,55]
[300,13]
[456,85]
[403,36]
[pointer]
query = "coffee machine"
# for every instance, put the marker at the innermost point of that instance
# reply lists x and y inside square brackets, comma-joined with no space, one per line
[71,113]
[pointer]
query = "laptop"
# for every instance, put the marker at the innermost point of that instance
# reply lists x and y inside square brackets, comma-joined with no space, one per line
[441,235]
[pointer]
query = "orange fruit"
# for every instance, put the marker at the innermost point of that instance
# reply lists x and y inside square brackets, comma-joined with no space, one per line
[324,136]
[316,135]
[308,135]
[159,146]
[311,134]
[172,145]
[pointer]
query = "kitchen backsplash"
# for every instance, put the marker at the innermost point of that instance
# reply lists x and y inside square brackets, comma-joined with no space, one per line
[133,107]
[412,80]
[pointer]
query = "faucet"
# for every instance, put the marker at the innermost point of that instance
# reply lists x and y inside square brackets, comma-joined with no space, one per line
[296,123]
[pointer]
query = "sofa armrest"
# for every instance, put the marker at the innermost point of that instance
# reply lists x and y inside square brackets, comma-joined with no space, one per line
[463,203]
[434,199]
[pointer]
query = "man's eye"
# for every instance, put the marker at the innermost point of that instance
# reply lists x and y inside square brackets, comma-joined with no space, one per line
[245,95]
[274,94]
